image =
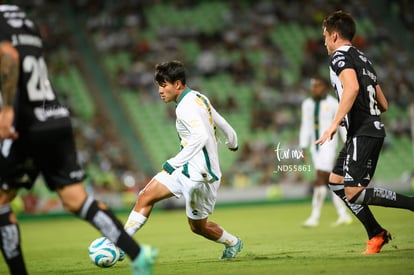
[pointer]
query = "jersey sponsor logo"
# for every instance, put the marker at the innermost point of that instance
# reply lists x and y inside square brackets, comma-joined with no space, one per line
[385,194]
[77,175]
[336,59]
[43,114]
[378,125]
[27,40]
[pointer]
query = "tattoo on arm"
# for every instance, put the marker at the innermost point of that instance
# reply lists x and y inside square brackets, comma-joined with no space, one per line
[9,75]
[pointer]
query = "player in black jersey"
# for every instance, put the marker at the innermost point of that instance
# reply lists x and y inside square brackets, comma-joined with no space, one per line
[36,137]
[361,101]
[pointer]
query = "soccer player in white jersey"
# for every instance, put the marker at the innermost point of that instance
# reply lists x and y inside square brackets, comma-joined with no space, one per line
[317,112]
[194,172]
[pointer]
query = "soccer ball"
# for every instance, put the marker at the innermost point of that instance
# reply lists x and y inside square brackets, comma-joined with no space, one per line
[103,252]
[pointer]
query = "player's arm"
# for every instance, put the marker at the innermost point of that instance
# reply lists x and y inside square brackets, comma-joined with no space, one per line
[350,91]
[9,75]
[197,139]
[381,99]
[225,127]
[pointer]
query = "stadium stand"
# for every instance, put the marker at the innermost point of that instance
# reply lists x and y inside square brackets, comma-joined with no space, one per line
[252,58]
[213,44]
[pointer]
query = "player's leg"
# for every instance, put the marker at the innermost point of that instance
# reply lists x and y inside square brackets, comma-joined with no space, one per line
[343,216]
[200,200]
[10,234]
[361,211]
[75,200]
[214,232]
[318,197]
[57,161]
[363,164]
[15,172]
[153,192]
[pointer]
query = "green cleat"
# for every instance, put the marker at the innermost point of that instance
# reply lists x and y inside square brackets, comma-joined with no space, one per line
[231,251]
[144,263]
[121,255]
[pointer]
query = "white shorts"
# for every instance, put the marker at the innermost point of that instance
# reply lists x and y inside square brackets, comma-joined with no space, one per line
[200,197]
[324,158]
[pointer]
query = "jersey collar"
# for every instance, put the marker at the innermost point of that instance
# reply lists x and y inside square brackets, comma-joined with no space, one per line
[183,94]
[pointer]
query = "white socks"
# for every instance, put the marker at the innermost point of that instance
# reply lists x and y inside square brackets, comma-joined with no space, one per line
[227,239]
[135,221]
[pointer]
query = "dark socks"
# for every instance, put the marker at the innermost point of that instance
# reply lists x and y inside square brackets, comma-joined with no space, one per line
[106,222]
[361,211]
[10,241]
[386,198]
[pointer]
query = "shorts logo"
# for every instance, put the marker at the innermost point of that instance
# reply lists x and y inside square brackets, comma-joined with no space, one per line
[378,125]
[367,177]
[348,177]
[195,212]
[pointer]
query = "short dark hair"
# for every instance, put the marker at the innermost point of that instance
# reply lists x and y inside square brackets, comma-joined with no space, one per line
[341,22]
[321,78]
[170,71]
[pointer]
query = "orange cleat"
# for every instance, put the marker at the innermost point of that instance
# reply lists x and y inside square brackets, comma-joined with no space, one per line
[375,244]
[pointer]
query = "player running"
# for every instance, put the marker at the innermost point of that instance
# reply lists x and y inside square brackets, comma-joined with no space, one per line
[36,137]
[194,172]
[361,101]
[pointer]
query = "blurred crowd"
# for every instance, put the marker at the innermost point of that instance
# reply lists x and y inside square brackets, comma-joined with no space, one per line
[151,31]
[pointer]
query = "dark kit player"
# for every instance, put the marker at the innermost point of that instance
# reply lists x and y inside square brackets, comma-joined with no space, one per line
[361,101]
[36,137]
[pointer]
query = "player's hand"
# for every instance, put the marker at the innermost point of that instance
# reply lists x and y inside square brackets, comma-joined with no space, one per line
[327,135]
[6,124]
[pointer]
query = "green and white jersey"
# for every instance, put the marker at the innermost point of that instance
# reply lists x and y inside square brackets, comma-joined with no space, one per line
[196,125]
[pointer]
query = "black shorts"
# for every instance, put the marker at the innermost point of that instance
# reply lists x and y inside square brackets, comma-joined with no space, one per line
[358,160]
[54,157]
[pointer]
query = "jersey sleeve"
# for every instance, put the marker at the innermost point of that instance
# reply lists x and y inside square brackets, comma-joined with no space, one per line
[340,61]
[225,127]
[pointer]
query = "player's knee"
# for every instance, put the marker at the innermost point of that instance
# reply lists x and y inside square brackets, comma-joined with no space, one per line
[196,229]
[356,197]
[70,206]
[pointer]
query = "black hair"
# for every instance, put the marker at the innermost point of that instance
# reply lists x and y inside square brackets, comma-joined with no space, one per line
[170,71]
[341,22]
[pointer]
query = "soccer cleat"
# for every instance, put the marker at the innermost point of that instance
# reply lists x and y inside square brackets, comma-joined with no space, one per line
[343,220]
[311,222]
[144,263]
[121,255]
[375,244]
[231,251]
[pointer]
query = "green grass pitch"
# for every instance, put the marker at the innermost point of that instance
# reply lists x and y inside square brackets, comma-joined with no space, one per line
[274,243]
